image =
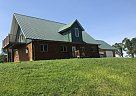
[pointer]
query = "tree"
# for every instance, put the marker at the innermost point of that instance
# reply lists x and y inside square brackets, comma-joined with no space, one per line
[130,46]
[134,45]
[120,48]
[3,56]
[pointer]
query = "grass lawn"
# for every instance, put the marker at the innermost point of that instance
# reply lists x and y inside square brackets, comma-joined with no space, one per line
[69,77]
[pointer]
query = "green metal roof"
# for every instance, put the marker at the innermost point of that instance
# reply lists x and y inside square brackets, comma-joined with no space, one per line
[66,26]
[36,28]
[105,45]
[88,39]
[69,25]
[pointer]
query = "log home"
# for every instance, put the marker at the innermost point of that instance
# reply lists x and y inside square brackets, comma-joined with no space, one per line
[33,38]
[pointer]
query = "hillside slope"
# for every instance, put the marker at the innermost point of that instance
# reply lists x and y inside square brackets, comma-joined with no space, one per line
[69,77]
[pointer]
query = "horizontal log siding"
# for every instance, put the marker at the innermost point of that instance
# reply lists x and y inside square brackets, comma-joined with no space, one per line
[55,53]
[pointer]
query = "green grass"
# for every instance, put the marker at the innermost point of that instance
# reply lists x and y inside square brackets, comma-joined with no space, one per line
[69,77]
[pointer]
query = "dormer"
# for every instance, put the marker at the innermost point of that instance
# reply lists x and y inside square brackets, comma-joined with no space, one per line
[72,31]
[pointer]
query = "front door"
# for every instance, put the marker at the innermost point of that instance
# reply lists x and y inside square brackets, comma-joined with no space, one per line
[73,51]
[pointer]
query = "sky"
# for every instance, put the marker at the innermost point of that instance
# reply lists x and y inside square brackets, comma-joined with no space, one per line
[108,20]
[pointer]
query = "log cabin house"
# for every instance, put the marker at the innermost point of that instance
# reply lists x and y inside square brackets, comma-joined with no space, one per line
[33,38]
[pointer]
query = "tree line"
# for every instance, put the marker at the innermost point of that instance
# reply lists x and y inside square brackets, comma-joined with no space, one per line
[127,45]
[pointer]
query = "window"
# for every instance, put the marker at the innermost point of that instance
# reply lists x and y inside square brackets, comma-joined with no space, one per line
[21,38]
[63,48]
[44,47]
[82,48]
[27,51]
[76,32]
[17,54]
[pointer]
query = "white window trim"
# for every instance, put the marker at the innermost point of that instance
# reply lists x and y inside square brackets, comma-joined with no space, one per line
[63,48]
[82,48]
[27,50]
[17,54]
[43,48]
[76,32]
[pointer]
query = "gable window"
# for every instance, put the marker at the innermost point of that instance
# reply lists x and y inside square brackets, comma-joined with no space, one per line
[21,38]
[76,32]
[44,47]
[63,48]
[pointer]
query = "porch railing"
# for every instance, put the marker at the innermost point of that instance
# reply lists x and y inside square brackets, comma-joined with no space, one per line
[8,40]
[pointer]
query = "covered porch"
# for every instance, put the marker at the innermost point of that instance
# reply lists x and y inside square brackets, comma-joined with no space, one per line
[9,44]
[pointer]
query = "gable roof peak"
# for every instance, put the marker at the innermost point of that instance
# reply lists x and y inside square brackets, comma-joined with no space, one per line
[76,20]
[69,25]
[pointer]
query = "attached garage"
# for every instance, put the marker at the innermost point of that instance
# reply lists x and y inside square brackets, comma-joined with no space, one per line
[109,54]
[106,50]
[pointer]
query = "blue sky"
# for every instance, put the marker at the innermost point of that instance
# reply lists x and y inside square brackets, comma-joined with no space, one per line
[108,20]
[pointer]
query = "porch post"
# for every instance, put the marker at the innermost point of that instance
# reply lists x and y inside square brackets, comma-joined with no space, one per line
[12,55]
[7,54]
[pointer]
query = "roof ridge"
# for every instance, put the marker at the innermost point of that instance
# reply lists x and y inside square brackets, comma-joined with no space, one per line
[39,18]
[100,40]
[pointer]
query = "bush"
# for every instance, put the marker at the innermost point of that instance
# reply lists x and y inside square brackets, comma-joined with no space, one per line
[3,58]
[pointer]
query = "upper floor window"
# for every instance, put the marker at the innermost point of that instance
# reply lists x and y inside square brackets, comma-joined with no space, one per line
[63,48]
[76,32]
[44,47]
[21,38]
